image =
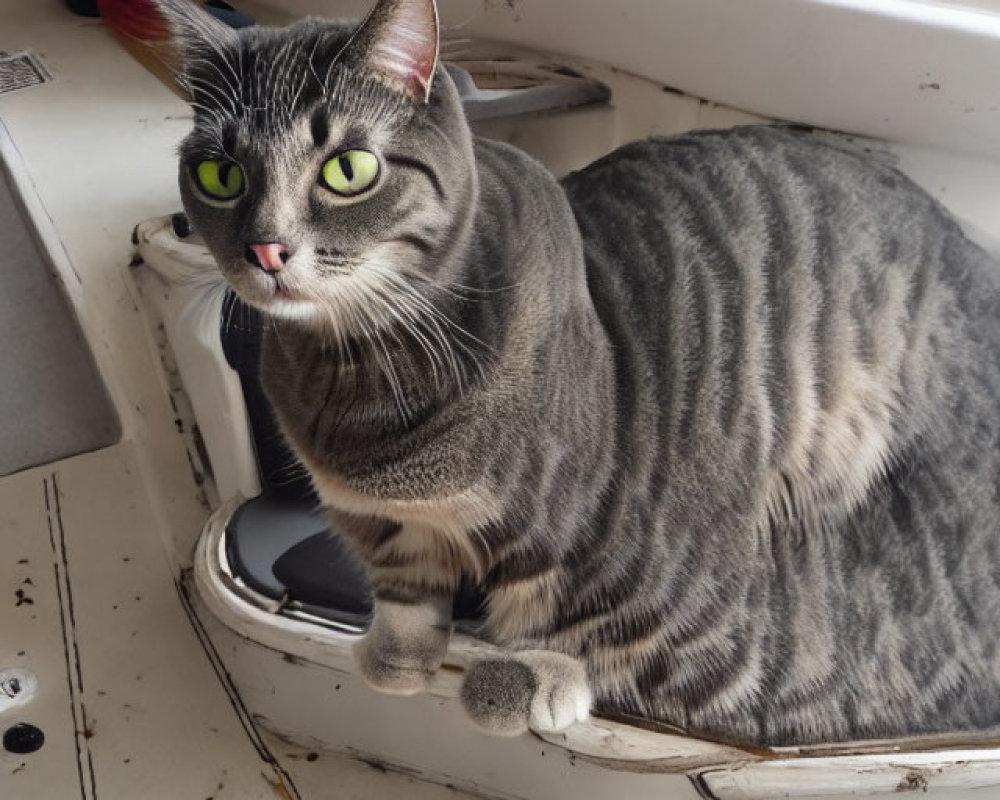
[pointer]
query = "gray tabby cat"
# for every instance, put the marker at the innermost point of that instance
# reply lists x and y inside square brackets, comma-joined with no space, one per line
[714,423]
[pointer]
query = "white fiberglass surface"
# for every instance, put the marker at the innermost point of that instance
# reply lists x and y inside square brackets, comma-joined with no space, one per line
[907,70]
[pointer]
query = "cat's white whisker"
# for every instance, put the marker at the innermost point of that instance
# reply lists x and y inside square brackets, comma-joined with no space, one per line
[357,308]
[429,315]
[405,318]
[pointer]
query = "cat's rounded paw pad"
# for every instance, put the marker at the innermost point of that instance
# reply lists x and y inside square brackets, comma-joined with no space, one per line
[497,695]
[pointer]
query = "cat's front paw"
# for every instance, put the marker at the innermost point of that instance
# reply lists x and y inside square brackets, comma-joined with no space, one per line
[534,689]
[394,671]
[402,650]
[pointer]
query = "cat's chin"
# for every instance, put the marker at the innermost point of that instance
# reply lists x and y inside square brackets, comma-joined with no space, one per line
[280,304]
[297,310]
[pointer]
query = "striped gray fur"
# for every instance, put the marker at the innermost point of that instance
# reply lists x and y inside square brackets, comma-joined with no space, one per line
[718,416]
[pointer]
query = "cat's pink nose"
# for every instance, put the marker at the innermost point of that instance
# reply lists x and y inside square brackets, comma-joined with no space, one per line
[270,257]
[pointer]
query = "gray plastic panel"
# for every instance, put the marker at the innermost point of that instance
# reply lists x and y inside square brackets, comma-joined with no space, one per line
[537,88]
[53,403]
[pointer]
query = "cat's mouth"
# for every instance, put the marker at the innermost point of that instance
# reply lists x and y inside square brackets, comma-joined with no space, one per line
[282,289]
[265,287]
[275,285]
[269,291]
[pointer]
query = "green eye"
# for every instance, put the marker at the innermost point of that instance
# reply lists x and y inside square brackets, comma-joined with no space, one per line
[350,173]
[219,180]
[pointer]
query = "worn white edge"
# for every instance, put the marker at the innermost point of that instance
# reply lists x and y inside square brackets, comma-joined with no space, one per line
[856,775]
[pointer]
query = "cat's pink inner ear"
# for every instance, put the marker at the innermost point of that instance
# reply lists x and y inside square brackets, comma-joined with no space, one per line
[405,43]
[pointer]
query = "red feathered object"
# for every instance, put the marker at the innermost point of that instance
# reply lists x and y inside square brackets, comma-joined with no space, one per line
[138,25]
[138,19]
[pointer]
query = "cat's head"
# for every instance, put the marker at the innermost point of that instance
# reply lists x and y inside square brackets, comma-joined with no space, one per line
[330,165]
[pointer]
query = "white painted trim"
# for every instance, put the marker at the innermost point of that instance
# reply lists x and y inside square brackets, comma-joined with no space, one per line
[956,17]
[926,774]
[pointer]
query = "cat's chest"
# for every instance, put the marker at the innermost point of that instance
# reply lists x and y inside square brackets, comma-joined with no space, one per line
[424,477]
[436,522]
[462,509]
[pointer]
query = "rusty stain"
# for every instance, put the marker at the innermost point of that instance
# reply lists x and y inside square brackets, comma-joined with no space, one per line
[196,474]
[913,781]
[277,787]
[203,500]
[375,763]
[89,727]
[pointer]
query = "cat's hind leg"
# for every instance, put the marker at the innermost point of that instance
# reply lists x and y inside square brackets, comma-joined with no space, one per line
[538,690]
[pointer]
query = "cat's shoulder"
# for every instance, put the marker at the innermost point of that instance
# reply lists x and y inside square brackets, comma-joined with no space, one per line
[501,163]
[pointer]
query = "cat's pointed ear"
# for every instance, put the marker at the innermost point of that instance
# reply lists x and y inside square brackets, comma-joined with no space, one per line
[191,28]
[399,39]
